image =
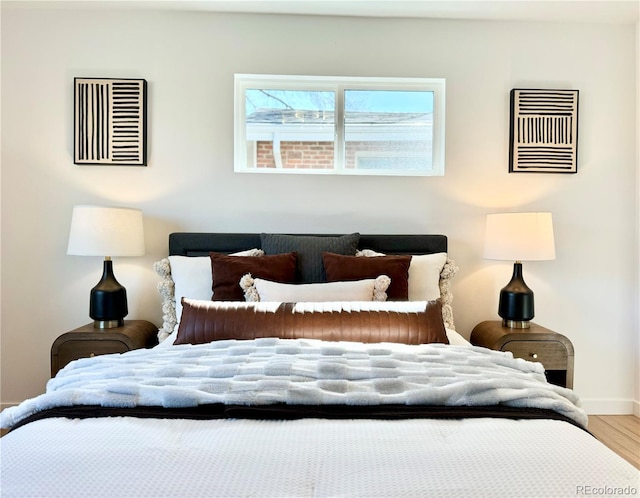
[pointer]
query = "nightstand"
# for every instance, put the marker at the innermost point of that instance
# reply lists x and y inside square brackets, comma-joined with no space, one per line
[536,343]
[87,341]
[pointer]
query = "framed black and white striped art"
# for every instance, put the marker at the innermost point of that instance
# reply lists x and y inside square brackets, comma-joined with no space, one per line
[543,134]
[110,121]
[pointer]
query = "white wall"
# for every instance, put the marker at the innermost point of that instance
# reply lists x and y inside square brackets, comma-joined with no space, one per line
[589,292]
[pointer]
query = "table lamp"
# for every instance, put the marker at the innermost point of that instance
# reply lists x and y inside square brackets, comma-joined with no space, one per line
[518,237]
[108,232]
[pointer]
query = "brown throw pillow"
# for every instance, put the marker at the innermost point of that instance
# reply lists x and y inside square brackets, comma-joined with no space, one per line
[228,270]
[339,267]
[205,321]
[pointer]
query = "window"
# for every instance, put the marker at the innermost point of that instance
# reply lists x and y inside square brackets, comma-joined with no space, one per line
[330,125]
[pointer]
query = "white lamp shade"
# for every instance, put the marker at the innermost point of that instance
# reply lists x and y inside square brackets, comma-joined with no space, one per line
[106,231]
[519,237]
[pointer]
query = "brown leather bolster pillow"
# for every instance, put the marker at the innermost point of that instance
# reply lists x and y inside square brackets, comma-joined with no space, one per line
[206,321]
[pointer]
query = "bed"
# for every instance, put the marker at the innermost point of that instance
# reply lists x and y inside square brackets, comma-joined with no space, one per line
[328,396]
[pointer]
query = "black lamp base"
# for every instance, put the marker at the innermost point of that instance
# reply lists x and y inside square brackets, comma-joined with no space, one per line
[108,301]
[516,301]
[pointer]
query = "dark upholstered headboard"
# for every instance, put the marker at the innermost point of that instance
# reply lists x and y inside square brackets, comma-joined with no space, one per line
[200,244]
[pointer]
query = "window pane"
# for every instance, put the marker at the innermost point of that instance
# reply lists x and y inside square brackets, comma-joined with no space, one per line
[339,125]
[290,129]
[389,130]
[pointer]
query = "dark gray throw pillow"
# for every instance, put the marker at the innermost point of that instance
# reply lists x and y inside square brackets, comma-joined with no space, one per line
[309,249]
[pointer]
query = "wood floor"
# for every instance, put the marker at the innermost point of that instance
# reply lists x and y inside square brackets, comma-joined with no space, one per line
[621,433]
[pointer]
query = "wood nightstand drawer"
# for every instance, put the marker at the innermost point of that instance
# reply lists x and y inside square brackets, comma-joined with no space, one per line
[87,341]
[553,355]
[536,343]
[72,350]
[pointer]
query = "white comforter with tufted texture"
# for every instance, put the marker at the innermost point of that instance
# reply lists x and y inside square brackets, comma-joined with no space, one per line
[302,372]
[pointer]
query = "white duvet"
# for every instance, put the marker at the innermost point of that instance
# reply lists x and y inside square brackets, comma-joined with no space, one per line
[472,458]
[302,372]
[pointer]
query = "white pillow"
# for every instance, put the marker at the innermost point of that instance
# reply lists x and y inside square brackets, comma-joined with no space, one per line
[429,278]
[424,276]
[257,289]
[185,276]
[192,278]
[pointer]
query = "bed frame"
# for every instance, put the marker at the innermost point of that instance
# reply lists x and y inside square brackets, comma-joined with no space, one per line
[200,244]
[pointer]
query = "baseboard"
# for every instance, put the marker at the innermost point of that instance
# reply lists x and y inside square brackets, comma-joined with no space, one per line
[611,406]
[7,405]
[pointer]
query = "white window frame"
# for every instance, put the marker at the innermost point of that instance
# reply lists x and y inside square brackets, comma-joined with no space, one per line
[242,82]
